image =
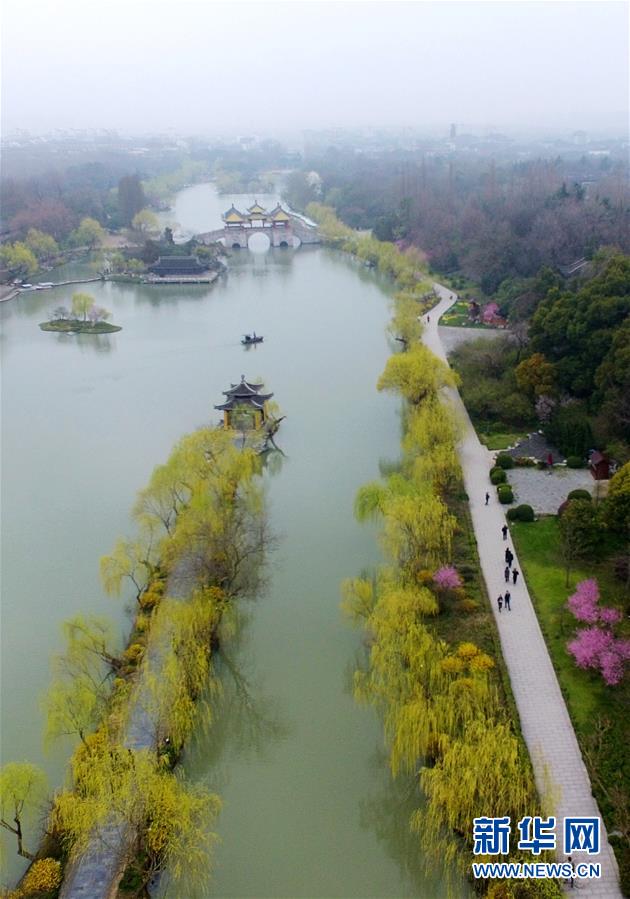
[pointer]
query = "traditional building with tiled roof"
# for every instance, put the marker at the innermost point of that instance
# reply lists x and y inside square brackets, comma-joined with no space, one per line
[177,265]
[245,407]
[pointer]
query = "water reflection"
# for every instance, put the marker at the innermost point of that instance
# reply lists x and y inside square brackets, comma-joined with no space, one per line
[90,343]
[387,812]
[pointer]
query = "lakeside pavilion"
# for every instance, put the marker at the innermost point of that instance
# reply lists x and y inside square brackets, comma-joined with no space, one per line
[245,407]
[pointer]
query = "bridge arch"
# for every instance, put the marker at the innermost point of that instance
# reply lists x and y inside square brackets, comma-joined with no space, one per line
[258,241]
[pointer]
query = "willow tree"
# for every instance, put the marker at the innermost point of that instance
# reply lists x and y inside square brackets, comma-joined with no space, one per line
[223,534]
[416,374]
[164,496]
[359,598]
[179,671]
[80,689]
[405,324]
[133,560]
[430,445]
[81,304]
[418,533]
[115,788]
[23,790]
[488,762]
[372,499]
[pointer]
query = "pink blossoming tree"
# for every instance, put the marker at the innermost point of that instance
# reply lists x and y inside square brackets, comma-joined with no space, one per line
[596,646]
[490,312]
[447,578]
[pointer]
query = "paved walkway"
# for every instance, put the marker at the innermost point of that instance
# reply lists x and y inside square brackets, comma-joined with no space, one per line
[544,491]
[561,776]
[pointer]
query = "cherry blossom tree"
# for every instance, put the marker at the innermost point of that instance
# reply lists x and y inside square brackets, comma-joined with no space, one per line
[597,647]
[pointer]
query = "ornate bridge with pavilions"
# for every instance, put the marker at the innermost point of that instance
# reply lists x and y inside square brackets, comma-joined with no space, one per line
[282,228]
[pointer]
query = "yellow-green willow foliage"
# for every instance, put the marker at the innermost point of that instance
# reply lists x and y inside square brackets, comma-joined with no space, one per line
[23,790]
[417,374]
[203,503]
[405,324]
[418,528]
[418,533]
[178,670]
[407,267]
[443,716]
[79,692]
[430,445]
[117,788]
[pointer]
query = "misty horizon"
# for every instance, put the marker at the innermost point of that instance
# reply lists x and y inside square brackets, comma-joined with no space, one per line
[279,69]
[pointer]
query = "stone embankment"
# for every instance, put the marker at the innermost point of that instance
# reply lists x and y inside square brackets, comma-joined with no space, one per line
[9,293]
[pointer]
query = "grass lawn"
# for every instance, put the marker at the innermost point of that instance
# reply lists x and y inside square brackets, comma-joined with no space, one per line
[600,714]
[500,440]
[457,316]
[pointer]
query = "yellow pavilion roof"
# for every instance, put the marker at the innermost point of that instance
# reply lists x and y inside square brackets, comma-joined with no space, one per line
[279,215]
[233,215]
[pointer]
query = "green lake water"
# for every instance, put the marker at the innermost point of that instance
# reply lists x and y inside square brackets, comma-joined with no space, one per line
[309,807]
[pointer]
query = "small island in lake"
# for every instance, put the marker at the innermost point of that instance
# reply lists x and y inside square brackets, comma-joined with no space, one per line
[85,317]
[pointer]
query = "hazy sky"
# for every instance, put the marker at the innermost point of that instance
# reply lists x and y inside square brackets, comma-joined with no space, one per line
[212,67]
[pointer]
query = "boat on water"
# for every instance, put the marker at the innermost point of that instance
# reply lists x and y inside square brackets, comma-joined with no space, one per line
[248,339]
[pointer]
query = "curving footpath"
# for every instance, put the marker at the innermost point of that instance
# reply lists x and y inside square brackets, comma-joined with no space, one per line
[561,776]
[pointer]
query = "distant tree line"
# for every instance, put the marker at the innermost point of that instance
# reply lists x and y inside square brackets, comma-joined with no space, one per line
[489,222]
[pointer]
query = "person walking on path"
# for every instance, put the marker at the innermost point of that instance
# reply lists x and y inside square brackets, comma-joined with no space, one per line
[487,498]
[509,557]
[504,531]
[507,574]
[507,596]
[500,603]
[515,574]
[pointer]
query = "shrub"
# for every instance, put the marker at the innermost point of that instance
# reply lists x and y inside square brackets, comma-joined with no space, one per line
[497,476]
[142,623]
[43,876]
[149,600]
[580,493]
[504,461]
[467,606]
[521,513]
[575,462]
[505,494]
[468,572]
[133,654]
